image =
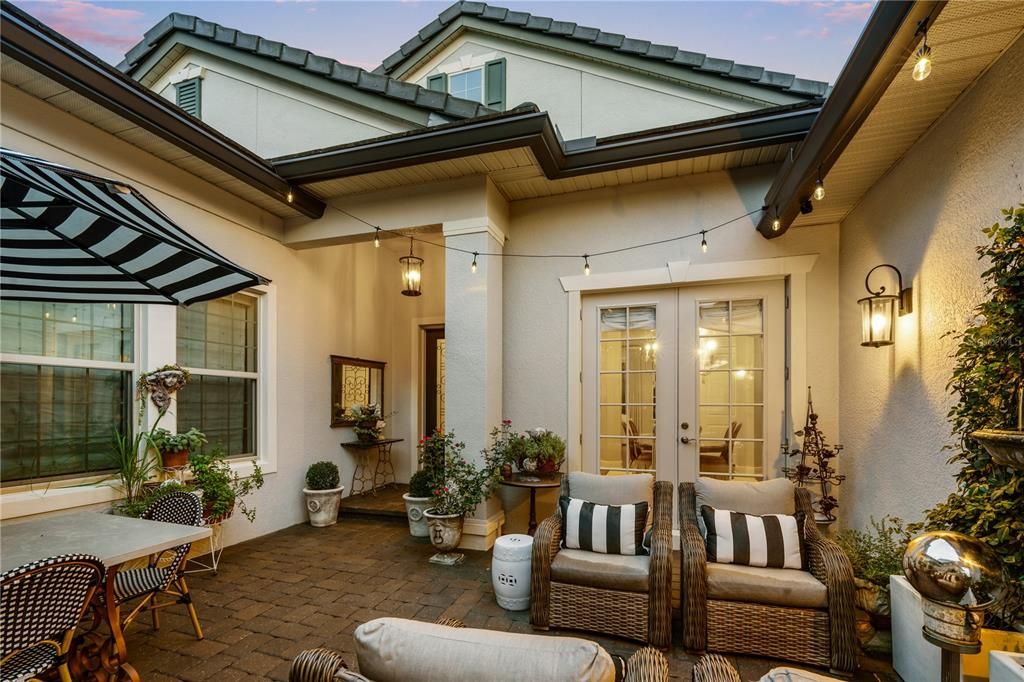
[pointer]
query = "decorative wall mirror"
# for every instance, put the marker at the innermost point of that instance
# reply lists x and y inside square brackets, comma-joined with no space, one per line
[354,381]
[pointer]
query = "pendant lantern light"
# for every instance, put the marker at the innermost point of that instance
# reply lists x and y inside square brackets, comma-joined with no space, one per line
[412,271]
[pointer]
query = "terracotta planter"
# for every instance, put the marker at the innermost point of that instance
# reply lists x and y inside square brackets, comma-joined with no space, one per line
[322,506]
[445,536]
[506,471]
[414,508]
[547,468]
[174,460]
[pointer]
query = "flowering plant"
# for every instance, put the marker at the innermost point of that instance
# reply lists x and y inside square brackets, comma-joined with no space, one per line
[369,422]
[538,449]
[457,486]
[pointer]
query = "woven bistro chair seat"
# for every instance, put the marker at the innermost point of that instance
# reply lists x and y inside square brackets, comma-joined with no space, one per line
[624,596]
[28,663]
[805,616]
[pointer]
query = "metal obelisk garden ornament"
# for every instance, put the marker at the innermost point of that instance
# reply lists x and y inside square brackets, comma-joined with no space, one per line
[815,464]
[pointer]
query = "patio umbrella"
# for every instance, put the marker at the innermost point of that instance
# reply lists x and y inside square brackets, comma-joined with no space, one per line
[66,235]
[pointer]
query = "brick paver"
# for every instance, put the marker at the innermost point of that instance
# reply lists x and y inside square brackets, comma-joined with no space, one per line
[307,587]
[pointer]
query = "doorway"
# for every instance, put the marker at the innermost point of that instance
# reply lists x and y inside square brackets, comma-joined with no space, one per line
[433,380]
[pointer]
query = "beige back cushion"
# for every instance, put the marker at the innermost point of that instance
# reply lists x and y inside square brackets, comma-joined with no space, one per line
[774,496]
[399,650]
[616,490]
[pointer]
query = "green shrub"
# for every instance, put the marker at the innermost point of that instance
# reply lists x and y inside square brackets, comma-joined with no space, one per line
[878,553]
[419,484]
[323,476]
[223,488]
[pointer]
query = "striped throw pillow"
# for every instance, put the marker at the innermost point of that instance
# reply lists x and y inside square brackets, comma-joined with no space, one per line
[603,528]
[771,541]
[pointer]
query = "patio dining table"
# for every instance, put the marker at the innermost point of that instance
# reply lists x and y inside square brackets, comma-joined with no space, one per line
[115,540]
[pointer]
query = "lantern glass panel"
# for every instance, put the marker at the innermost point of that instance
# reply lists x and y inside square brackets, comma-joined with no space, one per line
[411,275]
[878,320]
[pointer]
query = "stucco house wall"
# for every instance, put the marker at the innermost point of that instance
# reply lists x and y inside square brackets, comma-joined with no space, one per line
[271,116]
[584,98]
[925,217]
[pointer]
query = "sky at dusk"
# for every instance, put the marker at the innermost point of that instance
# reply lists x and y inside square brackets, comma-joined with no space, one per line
[808,38]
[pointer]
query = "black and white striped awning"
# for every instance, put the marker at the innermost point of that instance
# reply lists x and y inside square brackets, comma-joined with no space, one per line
[71,236]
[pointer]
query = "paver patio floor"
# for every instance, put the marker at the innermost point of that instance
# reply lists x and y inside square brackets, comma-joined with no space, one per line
[307,587]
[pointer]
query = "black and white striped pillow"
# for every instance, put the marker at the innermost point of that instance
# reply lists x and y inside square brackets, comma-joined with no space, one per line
[603,528]
[771,541]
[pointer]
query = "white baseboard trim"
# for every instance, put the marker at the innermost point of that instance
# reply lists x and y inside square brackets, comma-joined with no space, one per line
[480,534]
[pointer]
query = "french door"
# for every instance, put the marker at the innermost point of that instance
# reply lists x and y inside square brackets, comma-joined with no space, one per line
[685,382]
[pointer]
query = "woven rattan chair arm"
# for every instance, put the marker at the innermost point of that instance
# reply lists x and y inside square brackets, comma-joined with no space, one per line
[662,512]
[315,665]
[647,665]
[450,622]
[693,579]
[715,668]
[829,564]
[803,505]
[546,542]
[659,616]
[548,538]
[687,505]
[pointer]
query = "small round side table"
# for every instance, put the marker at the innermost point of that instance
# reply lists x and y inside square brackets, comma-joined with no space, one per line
[510,571]
[533,483]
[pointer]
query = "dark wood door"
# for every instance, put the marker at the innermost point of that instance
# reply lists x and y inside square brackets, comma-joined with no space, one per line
[433,385]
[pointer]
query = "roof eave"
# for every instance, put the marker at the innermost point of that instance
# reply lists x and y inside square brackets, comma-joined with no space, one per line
[883,48]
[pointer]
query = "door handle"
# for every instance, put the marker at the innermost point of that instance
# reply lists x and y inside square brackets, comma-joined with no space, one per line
[684,440]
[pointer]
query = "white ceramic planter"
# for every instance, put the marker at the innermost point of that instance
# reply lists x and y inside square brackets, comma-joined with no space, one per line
[322,506]
[414,508]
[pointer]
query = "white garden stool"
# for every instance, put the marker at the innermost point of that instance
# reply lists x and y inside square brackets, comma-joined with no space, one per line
[510,571]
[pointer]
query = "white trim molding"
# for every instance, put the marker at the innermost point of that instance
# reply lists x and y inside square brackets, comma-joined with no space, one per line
[454,228]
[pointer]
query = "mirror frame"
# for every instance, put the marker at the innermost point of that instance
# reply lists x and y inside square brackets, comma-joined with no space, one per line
[357,362]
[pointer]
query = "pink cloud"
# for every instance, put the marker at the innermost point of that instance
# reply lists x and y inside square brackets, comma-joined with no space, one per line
[819,33]
[839,12]
[90,24]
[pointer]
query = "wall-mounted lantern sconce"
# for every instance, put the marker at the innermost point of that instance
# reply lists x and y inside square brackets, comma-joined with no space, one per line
[879,310]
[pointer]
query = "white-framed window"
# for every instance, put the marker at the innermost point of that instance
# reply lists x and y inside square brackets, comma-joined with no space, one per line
[66,376]
[467,85]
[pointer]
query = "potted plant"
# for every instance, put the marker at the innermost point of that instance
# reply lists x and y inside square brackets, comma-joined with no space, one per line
[505,448]
[369,423]
[548,451]
[174,448]
[222,489]
[457,487]
[135,467]
[417,500]
[323,493]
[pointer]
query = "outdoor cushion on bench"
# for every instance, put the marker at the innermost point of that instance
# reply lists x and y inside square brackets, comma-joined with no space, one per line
[772,586]
[606,571]
[399,650]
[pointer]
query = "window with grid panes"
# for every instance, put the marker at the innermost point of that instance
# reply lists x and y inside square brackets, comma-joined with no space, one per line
[217,342]
[65,386]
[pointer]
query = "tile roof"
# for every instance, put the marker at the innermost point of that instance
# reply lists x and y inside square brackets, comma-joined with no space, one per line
[379,84]
[756,75]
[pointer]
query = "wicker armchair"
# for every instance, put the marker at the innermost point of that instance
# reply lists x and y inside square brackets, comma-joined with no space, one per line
[645,614]
[822,636]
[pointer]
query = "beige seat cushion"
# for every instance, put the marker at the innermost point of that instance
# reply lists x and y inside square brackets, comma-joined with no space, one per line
[625,573]
[773,586]
[794,675]
[617,490]
[399,650]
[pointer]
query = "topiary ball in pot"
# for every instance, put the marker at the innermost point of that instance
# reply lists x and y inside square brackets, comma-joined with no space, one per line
[416,502]
[323,493]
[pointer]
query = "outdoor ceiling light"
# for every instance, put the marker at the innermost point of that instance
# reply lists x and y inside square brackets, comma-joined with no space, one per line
[923,57]
[879,310]
[819,188]
[412,270]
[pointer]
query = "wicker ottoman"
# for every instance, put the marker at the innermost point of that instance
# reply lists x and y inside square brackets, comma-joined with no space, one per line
[510,571]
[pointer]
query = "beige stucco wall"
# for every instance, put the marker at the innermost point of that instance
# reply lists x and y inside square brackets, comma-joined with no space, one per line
[583,97]
[535,306]
[271,116]
[925,217]
[340,300]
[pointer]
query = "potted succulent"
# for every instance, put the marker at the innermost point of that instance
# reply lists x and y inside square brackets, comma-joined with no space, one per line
[457,487]
[369,422]
[323,493]
[174,448]
[417,500]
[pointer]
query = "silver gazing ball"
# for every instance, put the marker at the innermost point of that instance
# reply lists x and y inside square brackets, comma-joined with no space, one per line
[953,568]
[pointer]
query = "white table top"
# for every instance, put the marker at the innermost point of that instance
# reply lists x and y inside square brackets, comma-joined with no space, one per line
[114,539]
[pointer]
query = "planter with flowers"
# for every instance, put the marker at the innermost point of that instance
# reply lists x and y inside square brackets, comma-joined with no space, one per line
[538,452]
[457,487]
[369,422]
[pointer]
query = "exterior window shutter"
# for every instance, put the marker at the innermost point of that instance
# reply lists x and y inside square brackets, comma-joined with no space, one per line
[494,84]
[188,96]
[438,82]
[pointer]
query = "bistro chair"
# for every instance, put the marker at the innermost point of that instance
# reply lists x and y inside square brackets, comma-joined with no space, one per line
[40,606]
[621,595]
[163,576]
[804,615]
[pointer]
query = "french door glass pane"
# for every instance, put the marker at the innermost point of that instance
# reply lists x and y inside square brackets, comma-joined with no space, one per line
[80,331]
[731,387]
[58,421]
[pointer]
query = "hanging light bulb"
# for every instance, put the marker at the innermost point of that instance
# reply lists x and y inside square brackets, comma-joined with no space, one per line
[776,221]
[586,265]
[412,270]
[819,188]
[376,238]
[703,242]
[472,268]
[923,60]
[290,196]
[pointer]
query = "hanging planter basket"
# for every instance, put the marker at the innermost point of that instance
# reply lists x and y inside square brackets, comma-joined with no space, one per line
[160,385]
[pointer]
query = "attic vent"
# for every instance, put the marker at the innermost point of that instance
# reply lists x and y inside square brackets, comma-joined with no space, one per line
[188,96]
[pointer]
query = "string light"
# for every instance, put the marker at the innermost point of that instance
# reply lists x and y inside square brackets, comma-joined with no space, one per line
[472,268]
[290,196]
[586,265]
[776,222]
[703,242]
[376,238]
[819,188]
[923,57]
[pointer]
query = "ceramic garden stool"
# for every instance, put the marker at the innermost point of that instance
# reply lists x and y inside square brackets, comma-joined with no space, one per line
[510,571]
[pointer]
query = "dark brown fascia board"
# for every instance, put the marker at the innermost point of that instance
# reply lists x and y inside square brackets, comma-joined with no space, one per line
[529,128]
[888,40]
[38,47]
